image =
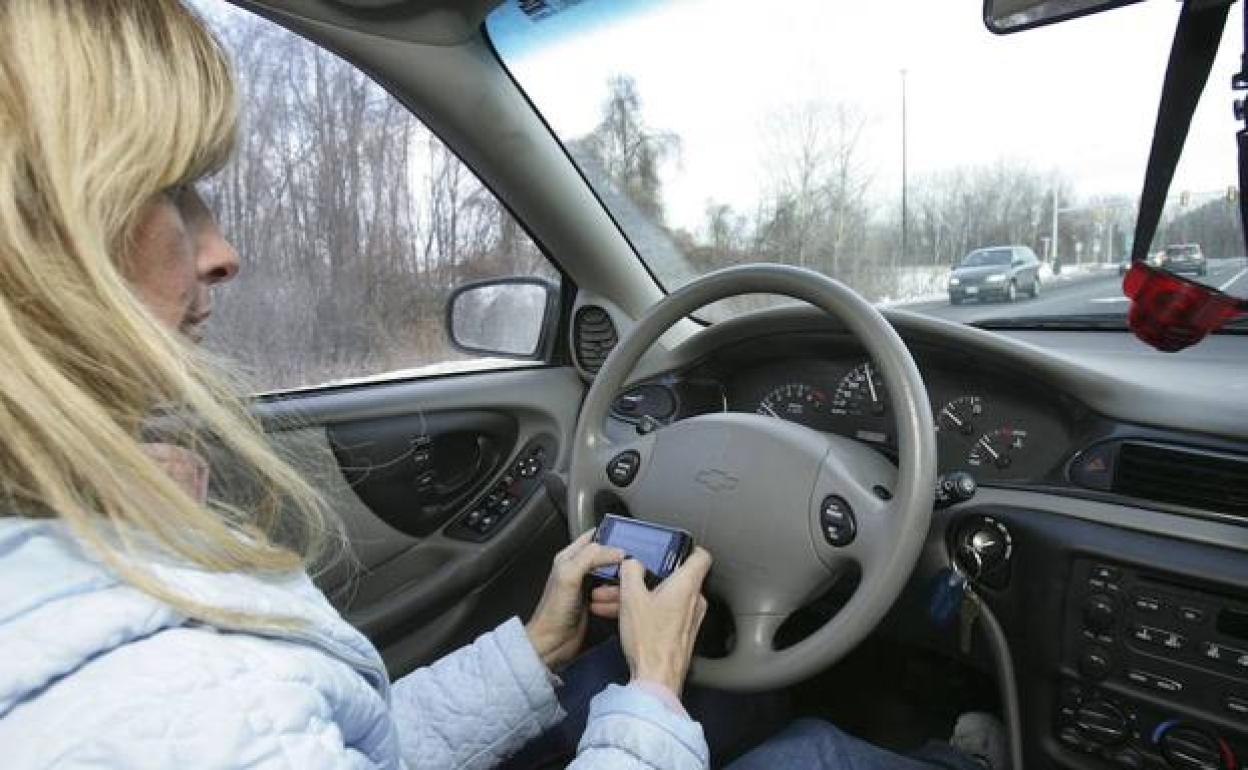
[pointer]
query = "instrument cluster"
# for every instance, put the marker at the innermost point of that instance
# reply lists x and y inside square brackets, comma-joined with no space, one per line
[994,429]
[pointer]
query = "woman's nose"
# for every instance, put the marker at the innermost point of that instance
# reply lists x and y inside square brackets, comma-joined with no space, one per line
[218,261]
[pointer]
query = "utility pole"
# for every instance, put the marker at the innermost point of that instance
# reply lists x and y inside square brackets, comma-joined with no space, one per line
[905,229]
[1053,251]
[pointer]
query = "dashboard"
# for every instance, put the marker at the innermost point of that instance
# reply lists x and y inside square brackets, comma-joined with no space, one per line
[1116,475]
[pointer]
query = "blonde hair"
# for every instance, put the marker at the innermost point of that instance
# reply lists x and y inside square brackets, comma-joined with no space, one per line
[105,105]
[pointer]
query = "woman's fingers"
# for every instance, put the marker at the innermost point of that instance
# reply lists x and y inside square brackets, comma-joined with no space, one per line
[689,576]
[606,610]
[577,545]
[632,578]
[595,555]
[605,595]
[604,602]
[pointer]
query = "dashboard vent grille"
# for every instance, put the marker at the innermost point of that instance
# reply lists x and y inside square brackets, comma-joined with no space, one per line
[595,337]
[1190,477]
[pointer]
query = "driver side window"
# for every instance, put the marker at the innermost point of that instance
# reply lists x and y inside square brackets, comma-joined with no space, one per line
[354,223]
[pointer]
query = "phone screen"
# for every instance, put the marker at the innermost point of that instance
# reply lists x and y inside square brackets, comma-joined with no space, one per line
[647,543]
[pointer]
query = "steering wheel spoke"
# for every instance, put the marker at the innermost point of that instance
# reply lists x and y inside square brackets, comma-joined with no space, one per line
[853,516]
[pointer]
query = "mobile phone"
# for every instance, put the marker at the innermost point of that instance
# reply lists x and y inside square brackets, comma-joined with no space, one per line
[661,549]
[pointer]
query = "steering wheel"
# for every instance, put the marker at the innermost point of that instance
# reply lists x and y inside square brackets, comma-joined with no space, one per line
[784,510]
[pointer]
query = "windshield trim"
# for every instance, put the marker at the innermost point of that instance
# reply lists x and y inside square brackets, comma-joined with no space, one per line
[502,63]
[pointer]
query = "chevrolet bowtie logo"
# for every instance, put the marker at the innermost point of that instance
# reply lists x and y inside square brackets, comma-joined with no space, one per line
[716,480]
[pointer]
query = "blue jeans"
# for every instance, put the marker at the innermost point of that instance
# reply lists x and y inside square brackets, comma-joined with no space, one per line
[813,743]
[733,724]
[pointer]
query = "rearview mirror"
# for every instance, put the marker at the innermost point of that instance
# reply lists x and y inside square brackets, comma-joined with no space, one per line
[505,317]
[1003,16]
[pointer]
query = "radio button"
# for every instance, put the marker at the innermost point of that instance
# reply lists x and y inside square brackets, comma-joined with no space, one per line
[1100,613]
[1105,572]
[1236,705]
[1147,603]
[1167,685]
[1229,657]
[1158,637]
[1095,663]
[1154,682]
[1191,614]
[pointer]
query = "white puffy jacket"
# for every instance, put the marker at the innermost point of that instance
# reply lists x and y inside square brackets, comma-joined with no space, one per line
[96,674]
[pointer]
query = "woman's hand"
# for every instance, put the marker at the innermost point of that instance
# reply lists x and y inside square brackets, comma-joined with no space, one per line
[658,628]
[557,627]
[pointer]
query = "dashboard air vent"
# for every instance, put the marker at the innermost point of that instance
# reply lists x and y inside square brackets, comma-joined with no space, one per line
[594,336]
[1194,478]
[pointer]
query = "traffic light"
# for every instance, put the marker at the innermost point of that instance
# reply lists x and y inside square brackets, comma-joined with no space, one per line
[1185,198]
[1232,194]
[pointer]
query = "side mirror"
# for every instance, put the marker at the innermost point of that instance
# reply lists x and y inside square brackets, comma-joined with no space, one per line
[1018,262]
[1004,16]
[504,317]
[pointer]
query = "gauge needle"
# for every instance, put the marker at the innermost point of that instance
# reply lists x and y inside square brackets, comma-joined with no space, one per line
[875,398]
[767,407]
[988,448]
[956,420]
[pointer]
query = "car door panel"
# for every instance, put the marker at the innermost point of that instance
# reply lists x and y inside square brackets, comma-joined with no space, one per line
[416,587]
[418,470]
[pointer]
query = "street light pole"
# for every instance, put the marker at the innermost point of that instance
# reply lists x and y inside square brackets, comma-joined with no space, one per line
[905,234]
[1053,251]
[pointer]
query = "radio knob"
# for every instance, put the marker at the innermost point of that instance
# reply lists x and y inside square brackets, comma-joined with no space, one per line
[1101,722]
[1095,663]
[1100,613]
[1187,748]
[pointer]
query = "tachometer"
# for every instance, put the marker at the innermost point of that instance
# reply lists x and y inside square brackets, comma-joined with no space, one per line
[795,401]
[960,415]
[861,393]
[997,448]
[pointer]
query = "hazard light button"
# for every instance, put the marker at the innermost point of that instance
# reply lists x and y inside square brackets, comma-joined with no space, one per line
[1093,468]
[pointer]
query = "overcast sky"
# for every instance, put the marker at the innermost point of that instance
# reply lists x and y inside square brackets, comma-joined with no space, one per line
[1079,96]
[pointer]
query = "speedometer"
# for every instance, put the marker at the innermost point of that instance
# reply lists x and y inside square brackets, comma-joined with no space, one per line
[795,401]
[861,393]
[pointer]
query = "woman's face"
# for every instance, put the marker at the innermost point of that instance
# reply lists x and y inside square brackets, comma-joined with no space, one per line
[179,255]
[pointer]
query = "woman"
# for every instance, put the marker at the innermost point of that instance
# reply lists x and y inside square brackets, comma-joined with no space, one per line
[143,625]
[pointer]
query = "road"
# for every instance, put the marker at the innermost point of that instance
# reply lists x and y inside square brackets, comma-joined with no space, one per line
[1082,295]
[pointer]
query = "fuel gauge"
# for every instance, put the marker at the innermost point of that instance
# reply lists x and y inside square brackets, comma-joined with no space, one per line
[959,415]
[997,448]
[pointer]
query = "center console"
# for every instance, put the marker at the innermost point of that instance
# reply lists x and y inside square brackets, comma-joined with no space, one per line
[1154,671]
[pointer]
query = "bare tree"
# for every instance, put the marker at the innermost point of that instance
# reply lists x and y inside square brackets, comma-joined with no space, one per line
[629,151]
[354,222]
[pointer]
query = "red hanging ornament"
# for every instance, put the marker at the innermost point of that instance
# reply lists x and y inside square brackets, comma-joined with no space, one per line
[1171,313]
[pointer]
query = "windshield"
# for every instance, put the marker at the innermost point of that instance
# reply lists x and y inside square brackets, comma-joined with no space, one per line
[987,257]
[880,143]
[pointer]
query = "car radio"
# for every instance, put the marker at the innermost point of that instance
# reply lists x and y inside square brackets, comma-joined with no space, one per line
[1156,671]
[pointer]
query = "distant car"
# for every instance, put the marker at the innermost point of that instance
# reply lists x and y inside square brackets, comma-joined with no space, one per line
[1184,258]
[997,272]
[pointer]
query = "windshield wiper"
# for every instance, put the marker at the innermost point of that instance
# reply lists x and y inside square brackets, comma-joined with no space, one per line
[1082,321]
[1086,322]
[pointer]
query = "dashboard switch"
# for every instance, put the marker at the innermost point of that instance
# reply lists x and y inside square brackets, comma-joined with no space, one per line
[1102,722]
[836,519]
[1095,663]
[1186,748]
[623,468]
[1100,613]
